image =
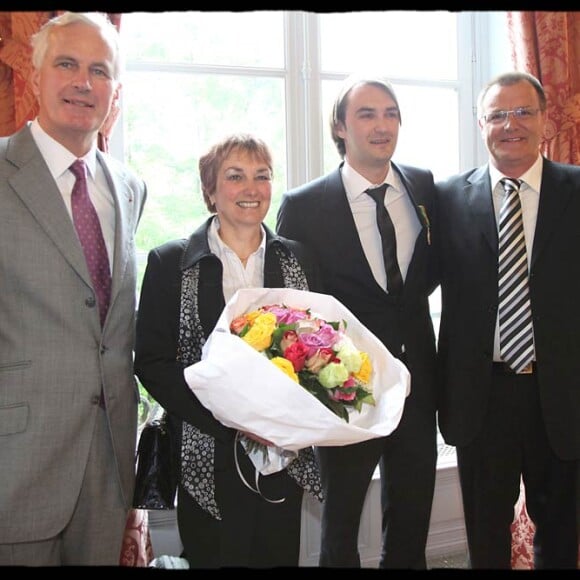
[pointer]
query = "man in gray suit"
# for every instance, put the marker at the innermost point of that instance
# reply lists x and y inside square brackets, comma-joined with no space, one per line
[68,396]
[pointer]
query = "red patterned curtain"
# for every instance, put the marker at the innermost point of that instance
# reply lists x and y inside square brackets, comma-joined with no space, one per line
[547,45]
[18,101]
[19,105]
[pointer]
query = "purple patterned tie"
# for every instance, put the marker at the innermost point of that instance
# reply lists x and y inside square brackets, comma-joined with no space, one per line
[90,235]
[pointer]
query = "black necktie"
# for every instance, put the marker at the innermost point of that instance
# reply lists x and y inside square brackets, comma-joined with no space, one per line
[389,241]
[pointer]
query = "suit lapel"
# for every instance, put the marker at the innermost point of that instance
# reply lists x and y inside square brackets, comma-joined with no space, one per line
[35,186]
[346,245]
[123,198]
[555,195]
[479,200]
[342,220]
[409,182]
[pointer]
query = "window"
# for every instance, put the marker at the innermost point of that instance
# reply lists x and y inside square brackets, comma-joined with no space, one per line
[193,76]
[427,88]
[190,78]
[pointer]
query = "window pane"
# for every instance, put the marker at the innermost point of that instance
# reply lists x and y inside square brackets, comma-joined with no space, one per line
[428,136]
[403,44]
[217,38]
[171,120]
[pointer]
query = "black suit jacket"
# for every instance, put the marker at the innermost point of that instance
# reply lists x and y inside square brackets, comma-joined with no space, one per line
[469,281]
[319,215]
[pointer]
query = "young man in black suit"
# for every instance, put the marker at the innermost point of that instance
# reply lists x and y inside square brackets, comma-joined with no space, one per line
[512,418]
[336,218]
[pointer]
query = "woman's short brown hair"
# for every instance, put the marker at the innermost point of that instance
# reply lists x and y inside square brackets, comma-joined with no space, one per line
[210,162]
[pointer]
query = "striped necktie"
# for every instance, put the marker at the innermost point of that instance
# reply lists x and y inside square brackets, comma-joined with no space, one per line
[516,335]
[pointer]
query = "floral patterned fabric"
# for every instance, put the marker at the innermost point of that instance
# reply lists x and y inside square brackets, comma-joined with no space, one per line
[523,536]
[197,448]
[19,104]
[137,549]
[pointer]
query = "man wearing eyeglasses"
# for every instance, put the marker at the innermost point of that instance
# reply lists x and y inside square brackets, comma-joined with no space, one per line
[509,340]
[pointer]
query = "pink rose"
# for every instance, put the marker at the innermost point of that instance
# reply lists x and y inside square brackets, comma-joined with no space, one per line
[237,324]
[319,359]
[350,382]
[289,337]
[340,395]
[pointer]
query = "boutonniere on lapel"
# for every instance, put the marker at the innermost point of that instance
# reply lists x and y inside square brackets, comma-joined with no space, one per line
[426,222]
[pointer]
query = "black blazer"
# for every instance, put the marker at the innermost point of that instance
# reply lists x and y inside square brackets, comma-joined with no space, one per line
[158,317]
[469,281]
[319,215]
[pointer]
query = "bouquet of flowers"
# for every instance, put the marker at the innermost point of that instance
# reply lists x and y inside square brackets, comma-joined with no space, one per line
[317,354]
[244,390]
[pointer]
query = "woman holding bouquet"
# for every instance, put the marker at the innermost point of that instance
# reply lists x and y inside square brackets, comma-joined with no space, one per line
[187,282]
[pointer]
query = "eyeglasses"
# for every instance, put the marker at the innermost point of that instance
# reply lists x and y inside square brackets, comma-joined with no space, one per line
[500,117]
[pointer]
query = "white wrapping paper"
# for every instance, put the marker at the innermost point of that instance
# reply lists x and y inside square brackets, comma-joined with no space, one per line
[245,391]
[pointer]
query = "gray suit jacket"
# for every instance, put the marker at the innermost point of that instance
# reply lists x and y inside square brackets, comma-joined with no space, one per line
[54,356]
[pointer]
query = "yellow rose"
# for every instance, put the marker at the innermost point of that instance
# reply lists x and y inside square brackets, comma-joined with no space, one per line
[260,334]
[266,319]
[286,367]
[366,369]
[251,316]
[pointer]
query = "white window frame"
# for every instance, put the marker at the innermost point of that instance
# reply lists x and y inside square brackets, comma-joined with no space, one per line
[479,58]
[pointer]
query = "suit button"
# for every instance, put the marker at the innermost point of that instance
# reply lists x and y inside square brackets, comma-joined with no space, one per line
[95,400]
[91,302]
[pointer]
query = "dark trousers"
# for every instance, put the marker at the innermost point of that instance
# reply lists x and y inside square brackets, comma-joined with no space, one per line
[407,460]
[511,444]
[253,533]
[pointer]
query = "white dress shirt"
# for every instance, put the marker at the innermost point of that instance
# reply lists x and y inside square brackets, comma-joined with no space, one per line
[401,210]
[236,275]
